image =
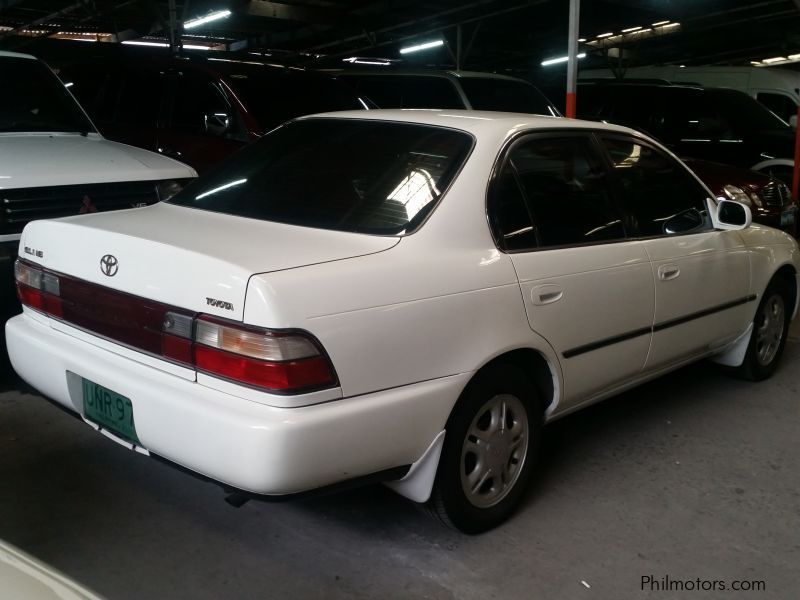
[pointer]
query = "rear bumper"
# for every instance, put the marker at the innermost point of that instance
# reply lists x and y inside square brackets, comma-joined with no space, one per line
[244,444]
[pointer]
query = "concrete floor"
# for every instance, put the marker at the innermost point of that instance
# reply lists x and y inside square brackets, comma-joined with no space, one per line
[692,476]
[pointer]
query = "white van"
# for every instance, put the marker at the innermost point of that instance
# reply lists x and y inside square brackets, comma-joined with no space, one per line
[777,89]
[54,163]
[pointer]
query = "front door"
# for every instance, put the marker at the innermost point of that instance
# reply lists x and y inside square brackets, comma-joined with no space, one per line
[701,275]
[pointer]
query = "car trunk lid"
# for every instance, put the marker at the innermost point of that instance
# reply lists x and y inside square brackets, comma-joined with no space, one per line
[183,257]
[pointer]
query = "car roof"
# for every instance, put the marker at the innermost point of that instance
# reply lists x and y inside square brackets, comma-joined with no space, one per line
[444,73]
[476,122]
[5,54]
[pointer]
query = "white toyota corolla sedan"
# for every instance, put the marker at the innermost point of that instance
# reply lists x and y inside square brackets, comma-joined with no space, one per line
[396,296]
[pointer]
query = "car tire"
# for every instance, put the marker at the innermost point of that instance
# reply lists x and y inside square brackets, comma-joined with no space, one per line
[770,327]
[489,451]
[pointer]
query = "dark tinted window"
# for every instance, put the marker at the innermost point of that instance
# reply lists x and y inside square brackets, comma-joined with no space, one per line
[505,95]
[745,112]
[114,95]
[781,105]
[661,196]
[406,91]
[195,99]
[277,97]
[509,216]
[350,175]
[33,98]
[567,189]
[139,98]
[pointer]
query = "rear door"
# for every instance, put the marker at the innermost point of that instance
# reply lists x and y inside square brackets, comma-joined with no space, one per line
[586,288]
[702,276]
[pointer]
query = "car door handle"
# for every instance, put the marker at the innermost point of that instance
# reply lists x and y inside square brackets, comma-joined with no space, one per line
[667,272]
[546,294]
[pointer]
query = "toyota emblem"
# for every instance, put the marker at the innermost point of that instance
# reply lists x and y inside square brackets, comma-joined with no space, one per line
[109,265]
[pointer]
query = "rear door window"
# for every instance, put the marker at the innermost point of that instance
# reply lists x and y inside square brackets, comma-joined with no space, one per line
[568,191]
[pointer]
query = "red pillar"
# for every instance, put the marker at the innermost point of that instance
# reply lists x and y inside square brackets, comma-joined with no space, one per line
[796,174]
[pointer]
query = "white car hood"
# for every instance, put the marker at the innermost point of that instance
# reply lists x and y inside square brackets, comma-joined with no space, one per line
[30,160]
[183,256]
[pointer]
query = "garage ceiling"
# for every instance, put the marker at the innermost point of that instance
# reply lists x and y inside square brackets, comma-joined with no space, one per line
[493,35]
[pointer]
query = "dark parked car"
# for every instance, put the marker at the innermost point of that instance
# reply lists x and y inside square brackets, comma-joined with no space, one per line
[720,125]
[197,110]
[769,199]
[449,89]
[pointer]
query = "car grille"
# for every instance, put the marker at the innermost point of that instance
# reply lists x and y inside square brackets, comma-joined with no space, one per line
[24,205]
[776,193]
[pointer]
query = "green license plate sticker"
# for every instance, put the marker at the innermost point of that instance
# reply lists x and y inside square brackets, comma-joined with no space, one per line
[787,218]
[109,410]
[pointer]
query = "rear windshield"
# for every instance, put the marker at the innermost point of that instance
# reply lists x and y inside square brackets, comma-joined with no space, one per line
[349,175]
[34,99]
[506,95]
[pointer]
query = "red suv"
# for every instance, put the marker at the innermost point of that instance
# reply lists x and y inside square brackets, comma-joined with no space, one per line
[197,110]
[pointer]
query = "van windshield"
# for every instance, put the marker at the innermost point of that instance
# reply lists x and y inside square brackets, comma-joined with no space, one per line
[506,95]
[358,175]
[34,99]
[273,98]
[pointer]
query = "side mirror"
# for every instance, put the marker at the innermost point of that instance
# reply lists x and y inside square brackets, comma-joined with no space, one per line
[732,215]
[217,123]
[793,121]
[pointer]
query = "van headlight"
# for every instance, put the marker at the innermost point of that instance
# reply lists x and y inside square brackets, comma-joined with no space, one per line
[737,194]
[169,187]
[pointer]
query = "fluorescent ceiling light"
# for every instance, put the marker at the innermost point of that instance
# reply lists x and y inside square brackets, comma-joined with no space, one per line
[219,14]
[660,23]
[669,26]
[581,39]
[141,43]
[69,84]
[604,35]
[164,45]
[419,47]
[629,29]
[381,62]
[774,59]
[560,59]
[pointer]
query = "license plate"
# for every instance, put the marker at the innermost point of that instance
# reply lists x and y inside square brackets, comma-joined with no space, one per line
[787,218]
[109,410]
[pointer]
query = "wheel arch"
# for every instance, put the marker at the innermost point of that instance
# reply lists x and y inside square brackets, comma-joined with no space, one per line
[535,366]
[788,273]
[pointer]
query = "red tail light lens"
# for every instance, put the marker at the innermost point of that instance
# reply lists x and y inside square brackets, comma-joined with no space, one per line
[280,362]
[38,289]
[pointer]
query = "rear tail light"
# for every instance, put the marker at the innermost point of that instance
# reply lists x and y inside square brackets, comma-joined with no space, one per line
[281,362]
[38,289]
